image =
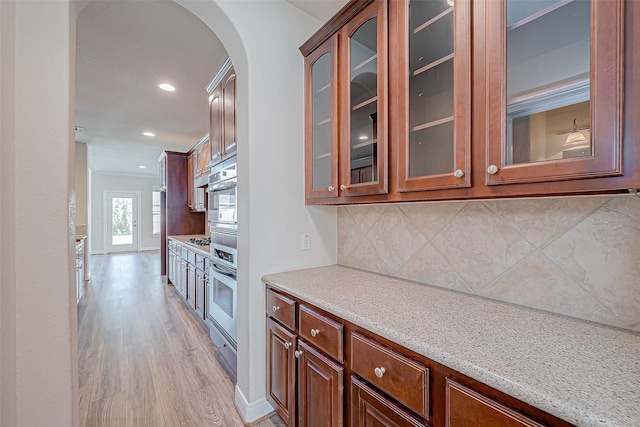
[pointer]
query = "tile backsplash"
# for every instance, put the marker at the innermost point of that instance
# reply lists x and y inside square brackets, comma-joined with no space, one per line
[576,256]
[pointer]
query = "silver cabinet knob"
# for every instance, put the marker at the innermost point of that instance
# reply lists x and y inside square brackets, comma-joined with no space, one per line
[315,332]
[275,308]
[343,187]
[458,173]
[493,169]
[298,353]
[287,345]
[379,372]
[331,188]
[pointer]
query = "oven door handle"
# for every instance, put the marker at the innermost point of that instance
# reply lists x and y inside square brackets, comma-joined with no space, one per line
[224,272]
[222,186]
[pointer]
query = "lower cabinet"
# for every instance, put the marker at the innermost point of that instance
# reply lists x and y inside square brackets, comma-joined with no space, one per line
[320,388]
[200,291]
[312,354]
[371,409]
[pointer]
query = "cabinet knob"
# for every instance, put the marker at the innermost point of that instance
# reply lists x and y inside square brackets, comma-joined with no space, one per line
[275,308]
[315,332]
[458,173]
[343,187]
[379,372]
[493,169]
[298,353]
[331,188]
[287,345]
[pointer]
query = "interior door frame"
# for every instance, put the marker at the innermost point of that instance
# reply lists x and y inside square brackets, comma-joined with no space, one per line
[106,220]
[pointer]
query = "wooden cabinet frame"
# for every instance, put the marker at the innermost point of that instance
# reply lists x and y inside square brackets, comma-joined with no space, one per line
[399,101]
[607,88]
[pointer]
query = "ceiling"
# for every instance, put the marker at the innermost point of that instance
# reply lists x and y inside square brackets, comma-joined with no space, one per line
[124,49]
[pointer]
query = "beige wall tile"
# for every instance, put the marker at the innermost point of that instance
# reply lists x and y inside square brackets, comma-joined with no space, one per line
[365,257]
[430,218]
[349,235]
[540,220]
[537,283]
[430,267]
[602,254]
[366,216]
[395,238]
[479,245]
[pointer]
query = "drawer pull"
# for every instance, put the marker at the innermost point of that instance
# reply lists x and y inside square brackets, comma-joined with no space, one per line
[287,345]
[379,372]
[298,353]
[275,308]
[315,332]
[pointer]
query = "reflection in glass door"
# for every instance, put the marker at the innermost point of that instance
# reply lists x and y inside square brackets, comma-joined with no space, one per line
[121,223]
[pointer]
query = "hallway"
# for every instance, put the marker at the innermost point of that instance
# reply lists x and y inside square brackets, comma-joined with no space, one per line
[143,359]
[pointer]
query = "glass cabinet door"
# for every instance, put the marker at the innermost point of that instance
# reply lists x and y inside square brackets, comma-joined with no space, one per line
[321,121]
[364,91]
[555,89]
[433,93]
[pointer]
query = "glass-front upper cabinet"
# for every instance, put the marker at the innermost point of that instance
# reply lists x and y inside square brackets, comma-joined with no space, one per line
[321,130]
[555,84]
[364,105]
[431,93]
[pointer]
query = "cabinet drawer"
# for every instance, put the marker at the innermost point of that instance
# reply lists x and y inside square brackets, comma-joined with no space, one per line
[466,407]
[200,262]
[402,378]
[322,332]
[281,308]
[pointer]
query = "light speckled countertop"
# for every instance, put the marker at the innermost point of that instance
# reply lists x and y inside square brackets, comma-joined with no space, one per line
[584,373]
[202,250]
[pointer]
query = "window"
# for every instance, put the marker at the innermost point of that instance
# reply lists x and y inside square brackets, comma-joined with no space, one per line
[155,212]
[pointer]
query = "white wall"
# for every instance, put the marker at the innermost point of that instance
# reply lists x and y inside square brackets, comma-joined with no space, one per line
[39,344]
[101,182]
[81,185]
[262,38]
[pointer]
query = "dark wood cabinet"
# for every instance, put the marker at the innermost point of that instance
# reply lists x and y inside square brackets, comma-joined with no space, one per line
[485,99]
[320,389]
[371,409]
[466,407]
[175,216]
[281,364]
[388,384]
[190,178]
[198,174]
[222,114]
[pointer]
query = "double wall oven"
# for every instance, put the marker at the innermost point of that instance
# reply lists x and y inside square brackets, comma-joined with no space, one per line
[223,291]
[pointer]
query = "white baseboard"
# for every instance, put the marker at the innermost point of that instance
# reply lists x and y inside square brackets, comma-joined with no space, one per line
[149,248]
[251,412]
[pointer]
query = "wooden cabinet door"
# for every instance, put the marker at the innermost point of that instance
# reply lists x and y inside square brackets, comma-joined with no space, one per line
[281,371]
[215,126]
[321,121]
[203,157]
[430,93]
[363,99]
[466,407]
[320,389]
[370,409]
[228,86]
[199,297]
[190,177]
[554,87]
[191,284]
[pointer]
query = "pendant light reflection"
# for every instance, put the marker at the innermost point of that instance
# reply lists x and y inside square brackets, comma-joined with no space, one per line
[575,138]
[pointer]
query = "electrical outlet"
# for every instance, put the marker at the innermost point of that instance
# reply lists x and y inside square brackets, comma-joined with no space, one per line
[306,242]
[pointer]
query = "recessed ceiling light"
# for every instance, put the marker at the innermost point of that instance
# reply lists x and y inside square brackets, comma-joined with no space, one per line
[149,134]
[142,167]
[363,137]
[167,87]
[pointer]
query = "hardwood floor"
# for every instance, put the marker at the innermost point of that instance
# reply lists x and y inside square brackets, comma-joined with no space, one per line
[143,359]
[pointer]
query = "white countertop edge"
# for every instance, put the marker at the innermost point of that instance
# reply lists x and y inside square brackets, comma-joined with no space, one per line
[559,406]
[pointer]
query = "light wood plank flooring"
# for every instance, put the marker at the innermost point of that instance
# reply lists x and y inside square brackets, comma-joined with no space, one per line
[143,358]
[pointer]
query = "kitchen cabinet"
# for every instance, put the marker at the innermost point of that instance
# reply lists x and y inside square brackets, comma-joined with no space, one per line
[80,269]
[304,363]
[176,218]
[190,178]
[162,172]
[222,114]
[348,69]
[551,84]
[197,175]
[311,353]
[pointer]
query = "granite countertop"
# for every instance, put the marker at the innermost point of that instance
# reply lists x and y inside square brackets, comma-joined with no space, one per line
[80,239]
[202,250]
[585,373]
